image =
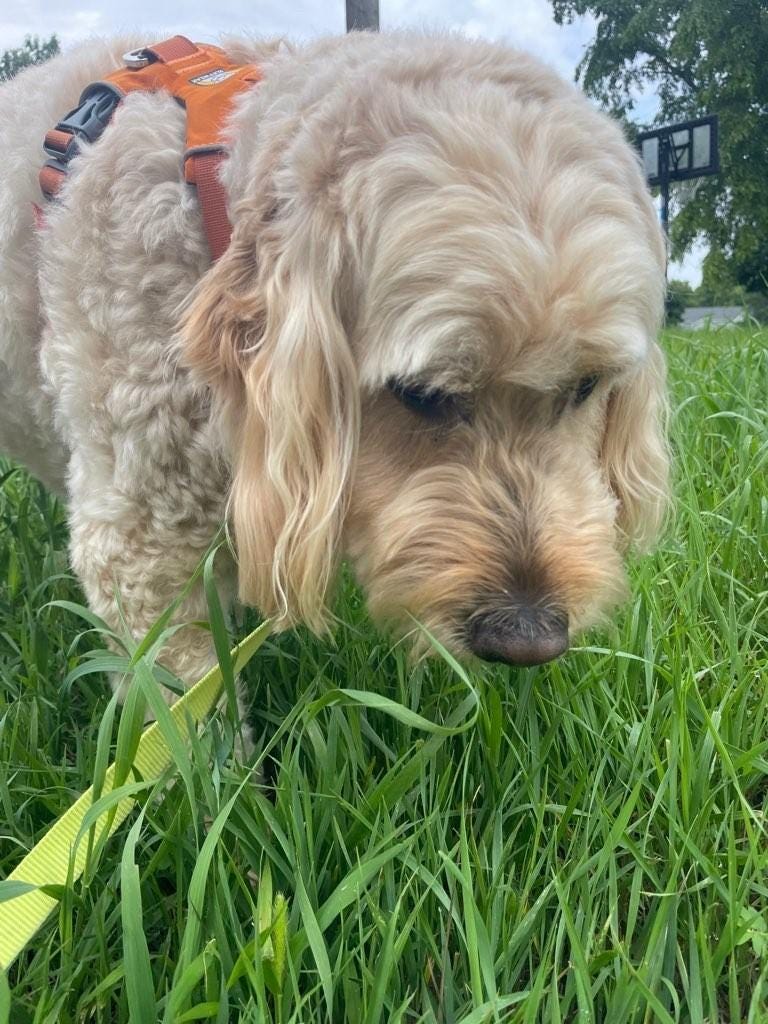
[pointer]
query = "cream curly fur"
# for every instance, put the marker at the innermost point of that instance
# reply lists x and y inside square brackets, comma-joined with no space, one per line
[418,209]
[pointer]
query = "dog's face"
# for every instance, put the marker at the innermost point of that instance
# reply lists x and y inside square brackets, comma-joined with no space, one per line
[490,498]
[457,388]
[481,508]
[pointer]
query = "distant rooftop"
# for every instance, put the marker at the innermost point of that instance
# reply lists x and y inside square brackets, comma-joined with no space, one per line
[696,317]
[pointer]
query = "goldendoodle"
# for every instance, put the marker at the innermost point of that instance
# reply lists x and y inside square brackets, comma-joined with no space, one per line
[429,348]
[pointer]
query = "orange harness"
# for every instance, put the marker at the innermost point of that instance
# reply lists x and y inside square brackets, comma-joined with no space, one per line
[202,79]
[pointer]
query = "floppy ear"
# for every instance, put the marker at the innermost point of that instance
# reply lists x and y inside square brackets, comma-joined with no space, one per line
[270,343]
[635,453]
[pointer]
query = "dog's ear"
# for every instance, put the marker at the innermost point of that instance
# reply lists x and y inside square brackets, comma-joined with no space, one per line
[635,453]
[270,342]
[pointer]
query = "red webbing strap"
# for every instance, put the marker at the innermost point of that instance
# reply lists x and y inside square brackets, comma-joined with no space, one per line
[51,181]
[205,165]
[174,48]
[213,200]
[58,140]
[51,178]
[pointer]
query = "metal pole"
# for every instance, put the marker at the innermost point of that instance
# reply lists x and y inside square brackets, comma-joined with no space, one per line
[362,15]
[664,171]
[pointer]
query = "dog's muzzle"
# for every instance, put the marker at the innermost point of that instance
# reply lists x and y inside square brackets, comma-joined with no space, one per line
[518,635]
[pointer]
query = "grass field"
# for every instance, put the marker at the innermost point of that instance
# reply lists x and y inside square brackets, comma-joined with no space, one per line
[593,847]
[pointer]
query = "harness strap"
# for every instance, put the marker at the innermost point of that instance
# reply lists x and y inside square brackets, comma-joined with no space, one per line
[175,48]
[213,201]
[202,79]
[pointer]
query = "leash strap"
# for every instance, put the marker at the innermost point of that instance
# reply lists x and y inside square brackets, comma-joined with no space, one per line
[54,860]
[202,79]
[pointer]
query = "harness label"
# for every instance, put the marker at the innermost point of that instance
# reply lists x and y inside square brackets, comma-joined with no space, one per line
[211,77]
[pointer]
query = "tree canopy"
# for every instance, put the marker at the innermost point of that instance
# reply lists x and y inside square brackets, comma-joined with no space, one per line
[32,51]
[701,57]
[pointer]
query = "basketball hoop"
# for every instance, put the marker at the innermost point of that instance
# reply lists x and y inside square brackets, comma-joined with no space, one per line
[683,154]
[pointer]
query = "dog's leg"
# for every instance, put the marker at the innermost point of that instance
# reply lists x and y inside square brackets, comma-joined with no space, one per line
[135,553]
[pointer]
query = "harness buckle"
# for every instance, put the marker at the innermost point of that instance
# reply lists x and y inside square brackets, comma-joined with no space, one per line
[87,121]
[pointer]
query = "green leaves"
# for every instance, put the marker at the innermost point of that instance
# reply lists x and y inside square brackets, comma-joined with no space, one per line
[695,57]
[32,51]
[138,972]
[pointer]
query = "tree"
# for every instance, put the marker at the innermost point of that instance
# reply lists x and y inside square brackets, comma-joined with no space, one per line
[679,297]
[701,56]
[32,51]
[719,288]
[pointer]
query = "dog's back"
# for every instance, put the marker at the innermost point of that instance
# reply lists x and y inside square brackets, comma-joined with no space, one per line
[40,272]
[33,260]
[30,104]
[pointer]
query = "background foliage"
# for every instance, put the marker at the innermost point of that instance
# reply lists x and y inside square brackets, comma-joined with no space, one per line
[32,51]
[699,57]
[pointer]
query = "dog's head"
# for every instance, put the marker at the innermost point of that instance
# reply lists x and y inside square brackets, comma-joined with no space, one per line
[433,342]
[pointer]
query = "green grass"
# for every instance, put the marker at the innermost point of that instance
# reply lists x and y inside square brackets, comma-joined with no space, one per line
[592,848]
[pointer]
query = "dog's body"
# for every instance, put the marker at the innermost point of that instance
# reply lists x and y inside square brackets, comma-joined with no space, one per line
[440,250]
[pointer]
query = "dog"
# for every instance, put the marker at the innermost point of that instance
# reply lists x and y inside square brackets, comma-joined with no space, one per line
[430,348]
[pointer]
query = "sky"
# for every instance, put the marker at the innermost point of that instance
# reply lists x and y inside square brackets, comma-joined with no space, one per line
[527,24]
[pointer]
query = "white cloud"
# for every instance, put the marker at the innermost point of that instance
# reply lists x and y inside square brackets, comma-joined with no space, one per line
[71,21]
[528,25]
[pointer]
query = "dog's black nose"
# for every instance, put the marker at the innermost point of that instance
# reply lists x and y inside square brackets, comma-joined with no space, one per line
[519,635]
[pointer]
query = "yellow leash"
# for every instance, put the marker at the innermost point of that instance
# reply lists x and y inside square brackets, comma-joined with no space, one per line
[52,862]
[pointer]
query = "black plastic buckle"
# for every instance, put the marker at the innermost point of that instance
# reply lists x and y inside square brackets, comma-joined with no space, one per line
[87,121]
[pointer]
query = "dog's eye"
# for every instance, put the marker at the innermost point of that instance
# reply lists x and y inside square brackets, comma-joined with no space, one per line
[429,403]
[584,388]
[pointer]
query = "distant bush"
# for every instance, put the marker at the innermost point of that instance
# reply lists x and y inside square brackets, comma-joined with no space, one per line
[679,297]
[32,51]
